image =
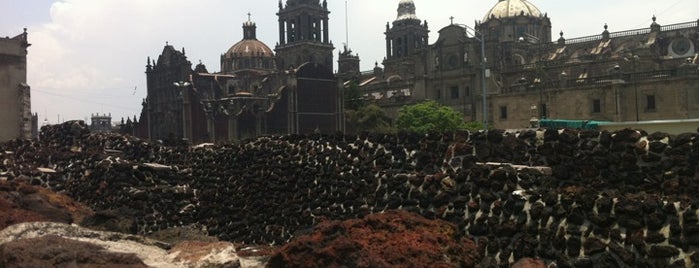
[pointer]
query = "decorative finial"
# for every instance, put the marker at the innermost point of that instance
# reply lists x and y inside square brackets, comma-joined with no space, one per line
[561,33]
[605,26]
[249,16]
[167,43]
[452,19]
[654,18]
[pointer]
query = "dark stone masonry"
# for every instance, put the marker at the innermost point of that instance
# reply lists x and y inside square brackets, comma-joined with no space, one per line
[611,199]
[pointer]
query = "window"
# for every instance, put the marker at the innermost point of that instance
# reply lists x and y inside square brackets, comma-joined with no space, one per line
[544,110]
[455,92]
[503,112]
[521,30]
[650,103]
[596,106]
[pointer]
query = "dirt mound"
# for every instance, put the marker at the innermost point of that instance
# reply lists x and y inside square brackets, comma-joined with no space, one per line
[21,202]
[391,239]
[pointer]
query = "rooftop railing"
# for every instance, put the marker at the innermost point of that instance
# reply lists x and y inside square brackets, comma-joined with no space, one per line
[671,27]
[679,26]
[584,39]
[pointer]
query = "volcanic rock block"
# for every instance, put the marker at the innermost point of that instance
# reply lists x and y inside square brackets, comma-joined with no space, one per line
[657,251]
[391,239]
[270,189]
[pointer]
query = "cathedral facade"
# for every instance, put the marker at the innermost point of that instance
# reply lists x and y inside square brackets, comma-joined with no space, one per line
[505,71]
[258,92]
[509,62]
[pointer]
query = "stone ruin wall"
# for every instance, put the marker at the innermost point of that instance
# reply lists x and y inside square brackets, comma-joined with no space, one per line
[622,199]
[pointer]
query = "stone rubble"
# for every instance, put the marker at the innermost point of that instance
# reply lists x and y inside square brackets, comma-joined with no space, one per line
[613,199]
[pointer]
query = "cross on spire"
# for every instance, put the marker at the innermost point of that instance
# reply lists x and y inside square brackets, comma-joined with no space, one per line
[452,19]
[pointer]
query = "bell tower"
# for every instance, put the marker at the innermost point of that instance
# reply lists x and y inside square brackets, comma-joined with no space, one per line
[407,36]
[304,34]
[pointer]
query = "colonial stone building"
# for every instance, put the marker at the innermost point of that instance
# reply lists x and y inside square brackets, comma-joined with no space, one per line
[101,123]
[505,71]
[256,92]
[16,119]
[509,56]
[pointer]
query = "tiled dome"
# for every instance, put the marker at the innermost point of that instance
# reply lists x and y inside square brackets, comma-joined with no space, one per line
[512,8]
[250,48]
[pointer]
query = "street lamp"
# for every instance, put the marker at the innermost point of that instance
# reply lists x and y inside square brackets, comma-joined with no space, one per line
[181,85]
[634,77]
[483,70]
[635,84]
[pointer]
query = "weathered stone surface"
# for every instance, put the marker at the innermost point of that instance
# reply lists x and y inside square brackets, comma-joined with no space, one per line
[392,239]
[54,251]
[150,252]
[593,246]
[657,251]
[46,244]
[625,255]
[205,254]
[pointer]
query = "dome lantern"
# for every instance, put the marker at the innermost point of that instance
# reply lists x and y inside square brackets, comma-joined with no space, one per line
[406,10]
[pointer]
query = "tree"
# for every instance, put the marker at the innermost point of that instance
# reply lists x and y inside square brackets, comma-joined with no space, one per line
[431,116]
[369,118]
[353,97]
[373,119]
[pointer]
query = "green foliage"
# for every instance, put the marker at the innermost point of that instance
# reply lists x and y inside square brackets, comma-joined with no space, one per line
[431,116]
[473,125]
[369,118]
[353,97]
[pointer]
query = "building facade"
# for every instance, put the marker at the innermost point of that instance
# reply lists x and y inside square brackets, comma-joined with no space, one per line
[257,91]
[16,120]
[510,58]
[101,123]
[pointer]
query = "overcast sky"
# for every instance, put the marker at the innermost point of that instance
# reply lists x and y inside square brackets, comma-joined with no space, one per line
[89,56]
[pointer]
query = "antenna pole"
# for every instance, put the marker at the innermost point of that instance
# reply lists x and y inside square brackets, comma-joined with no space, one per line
[346,25]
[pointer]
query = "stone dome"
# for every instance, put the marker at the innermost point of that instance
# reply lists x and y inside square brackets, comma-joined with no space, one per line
[248,54]
[250,48]
[406,10]
[512,8]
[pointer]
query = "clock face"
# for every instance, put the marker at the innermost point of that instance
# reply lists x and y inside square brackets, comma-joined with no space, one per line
[681,46]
